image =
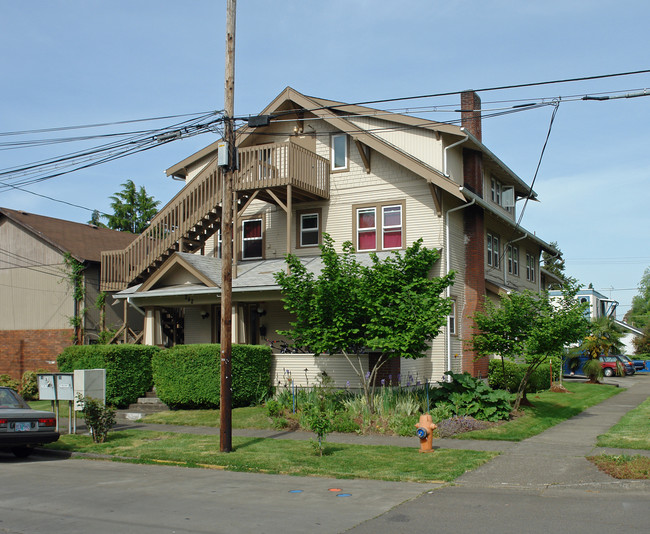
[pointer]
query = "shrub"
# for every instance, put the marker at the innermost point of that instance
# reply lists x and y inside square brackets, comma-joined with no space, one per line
[593,370]
[188,376]
[128,368]
[508,375]
[471,396]
[7,381]
[99,418]
[29,384]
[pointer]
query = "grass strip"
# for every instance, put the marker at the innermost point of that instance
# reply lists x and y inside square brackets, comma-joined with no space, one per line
[631,432]
[548,409]
[287,457]
[623,466]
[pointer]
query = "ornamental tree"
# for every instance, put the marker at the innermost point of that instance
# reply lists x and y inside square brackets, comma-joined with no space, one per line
[394,307]
[529,328]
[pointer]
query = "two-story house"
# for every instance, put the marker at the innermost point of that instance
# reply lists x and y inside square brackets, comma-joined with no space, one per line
[379,179]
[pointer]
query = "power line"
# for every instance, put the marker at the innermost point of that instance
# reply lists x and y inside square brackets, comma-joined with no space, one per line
[482,90]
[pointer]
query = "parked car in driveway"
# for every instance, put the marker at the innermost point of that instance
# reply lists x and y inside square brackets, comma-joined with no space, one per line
[610,365]
[638,365]
[21,428]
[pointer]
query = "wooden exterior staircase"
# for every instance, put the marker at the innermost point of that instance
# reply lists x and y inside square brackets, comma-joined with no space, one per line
[278,173]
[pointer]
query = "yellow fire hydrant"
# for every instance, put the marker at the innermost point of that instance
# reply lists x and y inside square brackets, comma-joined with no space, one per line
[425,427]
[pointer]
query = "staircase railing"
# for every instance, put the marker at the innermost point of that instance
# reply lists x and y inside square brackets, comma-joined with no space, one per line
[183,213]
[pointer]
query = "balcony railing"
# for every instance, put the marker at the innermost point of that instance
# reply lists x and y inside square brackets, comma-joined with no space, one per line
[281,164]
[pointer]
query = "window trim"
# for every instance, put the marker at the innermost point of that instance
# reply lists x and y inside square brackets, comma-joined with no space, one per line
[242,221]
[299,214]
[379,223]
[346,167]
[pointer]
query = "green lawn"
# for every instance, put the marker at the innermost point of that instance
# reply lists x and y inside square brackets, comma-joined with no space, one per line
[282,456]
[250,417]
[548,409]
[631,432]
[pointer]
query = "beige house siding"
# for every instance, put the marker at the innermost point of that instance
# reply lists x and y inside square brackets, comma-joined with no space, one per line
[305,371]
[34,296]
[421,144]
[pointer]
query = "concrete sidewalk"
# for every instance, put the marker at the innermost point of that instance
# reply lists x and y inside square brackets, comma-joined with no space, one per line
[557,456]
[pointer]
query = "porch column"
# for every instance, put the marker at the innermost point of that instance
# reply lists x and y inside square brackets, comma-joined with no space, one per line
[152,327]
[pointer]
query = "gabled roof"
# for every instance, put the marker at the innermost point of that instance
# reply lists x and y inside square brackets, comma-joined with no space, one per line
[85,242]
[323,109]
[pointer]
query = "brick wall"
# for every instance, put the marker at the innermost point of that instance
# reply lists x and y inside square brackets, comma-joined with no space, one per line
[29,350]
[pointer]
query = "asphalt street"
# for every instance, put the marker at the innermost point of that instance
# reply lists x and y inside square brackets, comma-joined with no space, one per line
[541,484]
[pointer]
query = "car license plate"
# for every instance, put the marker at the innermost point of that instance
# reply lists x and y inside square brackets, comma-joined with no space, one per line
[23,427]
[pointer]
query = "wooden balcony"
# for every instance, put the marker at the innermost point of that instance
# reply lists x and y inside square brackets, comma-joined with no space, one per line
[272,167]
[194,214]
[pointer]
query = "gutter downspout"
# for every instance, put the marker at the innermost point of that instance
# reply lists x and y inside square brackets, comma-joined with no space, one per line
[448,269]
[505,271]
[444,156]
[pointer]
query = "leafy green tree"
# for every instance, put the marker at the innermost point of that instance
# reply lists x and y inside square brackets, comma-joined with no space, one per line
[642,343]
[392,307]
[555,265]
[133,209]
[530,327]
[639,314]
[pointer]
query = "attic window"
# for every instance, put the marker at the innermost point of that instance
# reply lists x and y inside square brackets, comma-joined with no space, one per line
[339,156]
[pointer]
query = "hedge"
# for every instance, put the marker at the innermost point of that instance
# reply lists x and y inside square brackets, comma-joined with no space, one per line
[188,376]
[514,373]
[128,368]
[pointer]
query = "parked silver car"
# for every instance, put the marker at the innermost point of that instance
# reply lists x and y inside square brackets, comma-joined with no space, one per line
[21,428]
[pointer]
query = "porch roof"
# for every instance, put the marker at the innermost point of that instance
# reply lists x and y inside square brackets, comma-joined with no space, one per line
[252,276]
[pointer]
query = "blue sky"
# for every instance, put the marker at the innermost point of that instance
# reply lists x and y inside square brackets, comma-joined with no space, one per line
[83,62]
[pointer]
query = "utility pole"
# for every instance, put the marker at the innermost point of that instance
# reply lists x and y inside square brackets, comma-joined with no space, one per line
[225,398]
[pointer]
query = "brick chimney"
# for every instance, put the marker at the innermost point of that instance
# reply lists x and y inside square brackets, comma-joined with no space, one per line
[474,229]
[470,106]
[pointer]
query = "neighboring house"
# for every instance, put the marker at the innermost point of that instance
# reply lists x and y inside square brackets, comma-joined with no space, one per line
[599,304]
[378,179]
[37,300]
[602,306]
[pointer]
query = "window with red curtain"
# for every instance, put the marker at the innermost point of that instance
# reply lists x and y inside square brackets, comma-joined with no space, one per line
[366,229]
[252,239]
[392,226]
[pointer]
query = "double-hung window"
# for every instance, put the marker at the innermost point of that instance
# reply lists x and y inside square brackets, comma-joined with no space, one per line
[530,267]
[392,226]
[493,250]
[252,239]
[513,260]
[309,229]
[367,229]
[339,157]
